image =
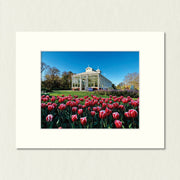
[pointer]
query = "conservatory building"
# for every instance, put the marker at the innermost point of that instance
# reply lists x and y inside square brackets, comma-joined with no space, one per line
[90,80]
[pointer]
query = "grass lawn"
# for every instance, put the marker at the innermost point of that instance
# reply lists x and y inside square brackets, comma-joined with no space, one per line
[80,94]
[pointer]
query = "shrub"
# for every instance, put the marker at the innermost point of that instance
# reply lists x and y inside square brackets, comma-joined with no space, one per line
[125,93]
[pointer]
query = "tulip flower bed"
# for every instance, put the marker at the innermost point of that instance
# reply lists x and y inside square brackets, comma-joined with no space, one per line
[89,112]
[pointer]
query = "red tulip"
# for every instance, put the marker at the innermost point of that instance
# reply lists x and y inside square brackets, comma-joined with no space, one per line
[103,105]
[53,99]
[93,113]
[60,100]
[80,111]
[87,103]
[94,108]
[74,109]
[122,107]
[124,100]
[106,100]
[50,107]
[54,105]
[115,115]
[126,114]
[62,106]
[74,117]
[68,103]
[133,113]
[118,123]
[43,105]
[102,114]
[110,106]
[108,111]
[98,108]
[115,105]
[49,103]
[83,120]
[80,106]
[49,117]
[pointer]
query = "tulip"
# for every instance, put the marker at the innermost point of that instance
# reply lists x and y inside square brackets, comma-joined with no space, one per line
[115,115]
[94,108]
[93,113]
[102,114]
[108,111]
[50,107]
[74,109]
[126,114]
[43,105]
[74,117]
[121,107]
[110,106]
[80,111]
[133,113]
[124,100]
[118,123]
[54,105]
[68,103]
[103,105]
[49,117]
[53,99]
[98,108]
[80,106]
[115,105]
[62,106]
[83,120]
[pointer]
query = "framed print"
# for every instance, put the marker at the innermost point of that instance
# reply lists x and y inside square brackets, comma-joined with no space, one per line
[90,90]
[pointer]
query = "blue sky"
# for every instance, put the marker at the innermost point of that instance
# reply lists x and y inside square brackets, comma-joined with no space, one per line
[114,65]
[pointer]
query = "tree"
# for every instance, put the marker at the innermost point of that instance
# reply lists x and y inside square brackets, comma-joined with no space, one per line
[52,78]
[66,80]
[121,85]
[44,66]
[113,86]
[132,79]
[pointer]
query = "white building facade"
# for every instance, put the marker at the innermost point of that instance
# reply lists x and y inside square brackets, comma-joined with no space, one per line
[90,80]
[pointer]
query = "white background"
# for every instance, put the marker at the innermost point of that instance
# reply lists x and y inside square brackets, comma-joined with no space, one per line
[89,15]
[151,55]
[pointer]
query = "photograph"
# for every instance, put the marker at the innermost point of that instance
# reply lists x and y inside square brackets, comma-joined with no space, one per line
[90,89]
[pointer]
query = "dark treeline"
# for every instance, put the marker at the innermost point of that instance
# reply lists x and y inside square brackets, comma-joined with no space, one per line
[53,79]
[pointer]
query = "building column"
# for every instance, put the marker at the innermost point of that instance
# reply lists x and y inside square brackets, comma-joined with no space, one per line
[80,84]
[98,81]
[72,83]
[87,82]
